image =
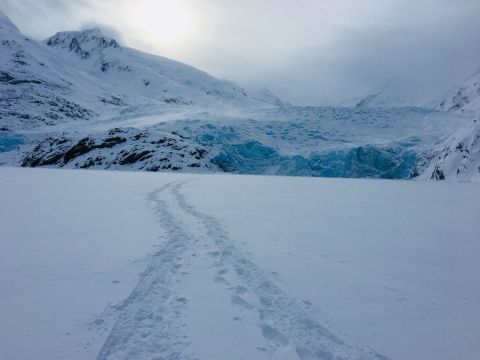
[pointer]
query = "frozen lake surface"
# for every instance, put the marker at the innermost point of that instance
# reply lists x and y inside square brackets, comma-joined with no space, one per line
[119,265]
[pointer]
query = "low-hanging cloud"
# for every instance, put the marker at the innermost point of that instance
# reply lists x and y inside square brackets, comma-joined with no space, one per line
[358,62]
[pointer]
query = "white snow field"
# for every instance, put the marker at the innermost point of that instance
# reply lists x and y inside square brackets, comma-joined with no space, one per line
[119,265]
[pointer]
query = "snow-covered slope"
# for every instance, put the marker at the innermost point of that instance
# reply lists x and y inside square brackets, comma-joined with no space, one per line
[266,95]
[133,72]
[458,157]
[215,267]
[39,88]
[83,75]
[465,98]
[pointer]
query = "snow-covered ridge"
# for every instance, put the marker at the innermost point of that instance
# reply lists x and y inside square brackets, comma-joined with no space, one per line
[39,88]
[464,98]
[82,43]
[458,157]
[85,75]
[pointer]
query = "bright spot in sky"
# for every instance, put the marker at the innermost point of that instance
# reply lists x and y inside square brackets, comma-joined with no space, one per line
[165,22]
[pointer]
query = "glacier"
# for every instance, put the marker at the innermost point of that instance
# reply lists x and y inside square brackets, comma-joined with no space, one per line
[294,141]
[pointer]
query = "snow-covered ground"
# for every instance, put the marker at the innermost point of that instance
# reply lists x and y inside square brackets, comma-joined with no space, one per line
[119,265]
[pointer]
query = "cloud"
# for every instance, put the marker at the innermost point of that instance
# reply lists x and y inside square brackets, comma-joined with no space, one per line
[307,51]
[425,46]
[43,18]
[361,61]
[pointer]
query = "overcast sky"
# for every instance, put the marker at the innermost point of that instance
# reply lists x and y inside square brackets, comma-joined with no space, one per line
[306,51]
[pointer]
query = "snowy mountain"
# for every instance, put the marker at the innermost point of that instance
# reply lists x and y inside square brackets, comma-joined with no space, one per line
[81,100]
[140,74]
[38,88]
[82,75]
[458,158]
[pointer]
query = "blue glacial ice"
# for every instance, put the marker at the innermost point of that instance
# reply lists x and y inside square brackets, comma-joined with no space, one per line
[359,162]
[9,142]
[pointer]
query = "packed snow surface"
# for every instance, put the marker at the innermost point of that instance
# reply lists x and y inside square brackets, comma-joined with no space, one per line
[119,265]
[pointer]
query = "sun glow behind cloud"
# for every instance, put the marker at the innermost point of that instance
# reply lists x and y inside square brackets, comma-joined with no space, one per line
[164,22]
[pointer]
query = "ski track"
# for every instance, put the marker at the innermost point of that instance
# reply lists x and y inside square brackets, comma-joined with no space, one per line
[151,321]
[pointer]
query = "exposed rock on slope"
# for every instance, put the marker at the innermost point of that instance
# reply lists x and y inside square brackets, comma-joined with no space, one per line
[134,149]
[459,157]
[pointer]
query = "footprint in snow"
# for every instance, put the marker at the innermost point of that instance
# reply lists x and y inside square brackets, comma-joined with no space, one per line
[274,335]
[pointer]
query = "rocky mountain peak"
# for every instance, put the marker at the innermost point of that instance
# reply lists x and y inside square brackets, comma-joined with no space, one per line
[83,43]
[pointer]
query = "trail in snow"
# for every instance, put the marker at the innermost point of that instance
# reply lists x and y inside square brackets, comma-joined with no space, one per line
[153,321]
[150,318]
